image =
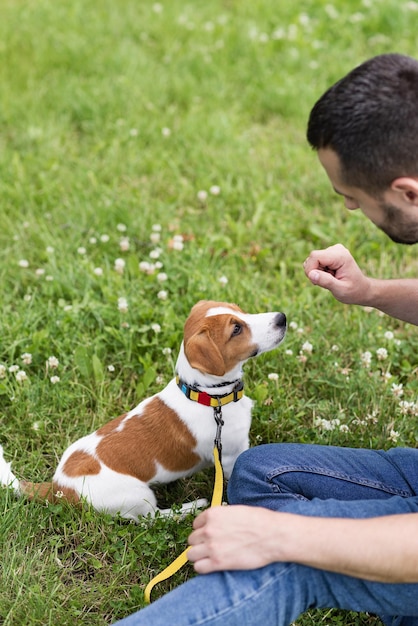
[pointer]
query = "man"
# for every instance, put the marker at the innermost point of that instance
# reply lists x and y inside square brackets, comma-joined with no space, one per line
[319,526]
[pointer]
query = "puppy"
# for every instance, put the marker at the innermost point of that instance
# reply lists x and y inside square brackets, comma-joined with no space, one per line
[171,434]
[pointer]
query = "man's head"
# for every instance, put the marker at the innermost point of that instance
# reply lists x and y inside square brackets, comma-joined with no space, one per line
[365,129]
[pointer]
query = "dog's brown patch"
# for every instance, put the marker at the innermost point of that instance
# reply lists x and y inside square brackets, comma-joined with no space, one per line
[81,463]
[134,445]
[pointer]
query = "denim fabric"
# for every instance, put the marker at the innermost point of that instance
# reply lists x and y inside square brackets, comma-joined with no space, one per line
[310,480]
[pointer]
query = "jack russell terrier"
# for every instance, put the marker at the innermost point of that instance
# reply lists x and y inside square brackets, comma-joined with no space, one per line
[169,435]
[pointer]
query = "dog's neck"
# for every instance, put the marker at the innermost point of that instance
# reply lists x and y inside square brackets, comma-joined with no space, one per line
[211,384]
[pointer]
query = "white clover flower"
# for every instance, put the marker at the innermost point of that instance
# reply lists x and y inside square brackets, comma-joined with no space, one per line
[397,390]
[21,376]
[215,190]
[162,277]
[382,354]
[26,358]
[98,271]
[36,425]
[121,228]
[157,228]
[40,271]
[394,435]
[110,368]
[366,358]
[155,238]
[50,249]
[167,351]
[300,330]
[202,195]
[156,328]
[23,263]
[27,297]
[124,244]
[104,238]
[147,268]
[13,369]
[3,371]
[159,379]
[335,348]
[158,265]
[54,379]
[307,347]
[273,376]
[133,132]
[288,352]
[92,240]
[157,7]
[49,278]
[52,362]
[162,295]
[155,254]
[81,250]
[389,335]
[223,280]
[293,325]
[387,376]
[123,305]
[166,132]
[119,265]
[177,243]
[302,358]
[344,428]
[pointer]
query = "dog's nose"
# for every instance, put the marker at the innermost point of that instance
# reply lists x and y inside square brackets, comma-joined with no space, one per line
[280,320]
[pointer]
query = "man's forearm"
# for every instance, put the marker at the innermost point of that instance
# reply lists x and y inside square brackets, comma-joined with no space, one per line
[383,549]
[397,298]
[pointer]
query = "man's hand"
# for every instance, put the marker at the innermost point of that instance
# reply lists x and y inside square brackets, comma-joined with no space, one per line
[335,269]
[233,537]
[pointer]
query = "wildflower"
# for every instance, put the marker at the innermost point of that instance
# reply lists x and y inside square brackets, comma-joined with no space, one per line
[382,354]
[156,253]
[288,352]
[133,132]
[386,376]
[81,250]
[344,428]
[92,240]
[215,190]
[177,243]
[155,238]
[98,271]
[166,132]
[273,376]
[162,295]
[111,368]
[104,238]
[26,358]
[166,351]
[159,379]
[23,263]
[27,297]
[124,244]
[335,348]
[50,249]
[156,328]
[394,435]
[21,376]
[119,265]
[49,278]
[302,358]
[162,277]
[324,424]
[123,305]
[157,228]
[223,280]
[3,371]
[55,379]
[202,195]
[121,228]
[366,358]
[293,325]
[40,271]
[147,268]
[13,369]
[307,347]
[389,335]
[52,362]
[397,390]
[36,425]
[59,494]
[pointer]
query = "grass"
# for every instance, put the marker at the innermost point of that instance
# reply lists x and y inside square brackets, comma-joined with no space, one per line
[116,117]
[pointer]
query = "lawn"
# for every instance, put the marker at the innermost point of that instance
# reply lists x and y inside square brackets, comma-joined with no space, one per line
[153,154]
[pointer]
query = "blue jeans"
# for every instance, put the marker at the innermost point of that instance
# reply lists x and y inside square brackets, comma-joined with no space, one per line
[320,481]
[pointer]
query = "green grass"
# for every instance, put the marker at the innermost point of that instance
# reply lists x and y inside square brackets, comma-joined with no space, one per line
[89,90]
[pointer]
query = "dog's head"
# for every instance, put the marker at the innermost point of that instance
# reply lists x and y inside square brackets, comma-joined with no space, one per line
[219,336]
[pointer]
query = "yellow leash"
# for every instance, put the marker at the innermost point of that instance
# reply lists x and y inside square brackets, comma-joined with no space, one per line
[182,559]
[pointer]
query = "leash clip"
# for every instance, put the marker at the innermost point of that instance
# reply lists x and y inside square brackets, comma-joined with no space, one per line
[217,414]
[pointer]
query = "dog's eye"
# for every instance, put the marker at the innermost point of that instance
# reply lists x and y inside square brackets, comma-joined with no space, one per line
[236,330]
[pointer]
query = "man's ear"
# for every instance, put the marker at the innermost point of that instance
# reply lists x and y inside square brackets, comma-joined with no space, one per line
[408,187]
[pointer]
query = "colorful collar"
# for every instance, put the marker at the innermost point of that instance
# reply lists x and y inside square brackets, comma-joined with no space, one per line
[204,398]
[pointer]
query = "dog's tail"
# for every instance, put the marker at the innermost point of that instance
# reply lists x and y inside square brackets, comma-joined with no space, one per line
[33,491]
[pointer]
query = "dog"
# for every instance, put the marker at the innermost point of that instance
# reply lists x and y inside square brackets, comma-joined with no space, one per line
[171,434]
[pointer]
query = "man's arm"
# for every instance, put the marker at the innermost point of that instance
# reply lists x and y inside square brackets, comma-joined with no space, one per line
[335,269]
[383,549]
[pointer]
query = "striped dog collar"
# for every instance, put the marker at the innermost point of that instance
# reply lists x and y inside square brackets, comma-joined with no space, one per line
[204,398]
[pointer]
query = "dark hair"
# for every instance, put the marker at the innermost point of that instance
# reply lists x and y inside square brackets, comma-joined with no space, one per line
[370,119]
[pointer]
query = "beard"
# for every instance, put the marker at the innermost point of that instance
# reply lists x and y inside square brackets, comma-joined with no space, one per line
[397,226]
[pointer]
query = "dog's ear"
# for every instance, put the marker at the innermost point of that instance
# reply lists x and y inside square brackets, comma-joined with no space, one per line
[204,355]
